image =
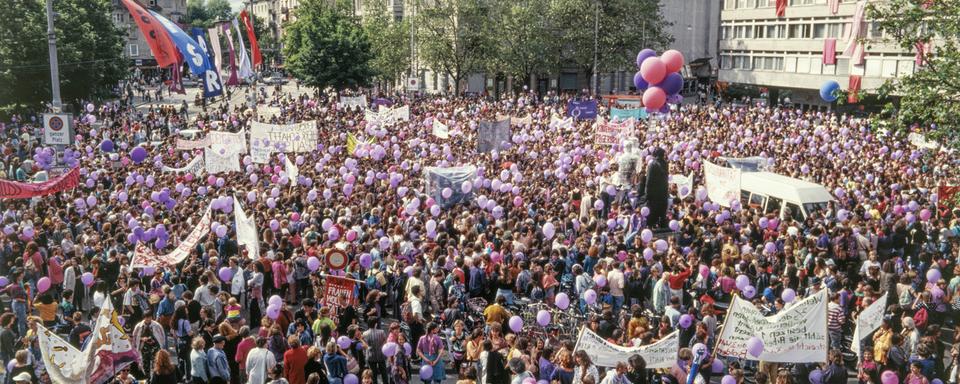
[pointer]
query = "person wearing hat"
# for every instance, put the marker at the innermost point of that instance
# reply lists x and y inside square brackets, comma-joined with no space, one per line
[218,368]
[22,378]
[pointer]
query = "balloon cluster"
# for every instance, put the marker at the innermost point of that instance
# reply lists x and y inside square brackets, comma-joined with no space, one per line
[44,157]
[659,78]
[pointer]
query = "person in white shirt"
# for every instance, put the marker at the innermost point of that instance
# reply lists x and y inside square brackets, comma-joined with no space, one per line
[616,282]
[259,362]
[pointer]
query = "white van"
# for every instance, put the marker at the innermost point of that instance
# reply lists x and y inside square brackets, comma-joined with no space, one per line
[768,192]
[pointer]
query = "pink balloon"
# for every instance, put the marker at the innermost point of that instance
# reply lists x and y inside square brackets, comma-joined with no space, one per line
[672,60]
[43,284]
[653,70]
[654,97]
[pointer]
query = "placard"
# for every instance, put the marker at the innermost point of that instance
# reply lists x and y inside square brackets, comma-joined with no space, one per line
[266,139]
[723,184]
[798,334]
[662,354]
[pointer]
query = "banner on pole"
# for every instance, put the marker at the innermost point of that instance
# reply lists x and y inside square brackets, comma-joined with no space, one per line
[684,184]
[334,286]
[57,128]
[143,256]
[221,161]
[18,190]
[798,334]
[350,102]
[723,184]
[110,349]
[266,139]
[195,166]
[160,42]
[440,130]
[491,134]
[868,321]
[246,231]
[582,110]
[231,142]
[64,362]
[662,354]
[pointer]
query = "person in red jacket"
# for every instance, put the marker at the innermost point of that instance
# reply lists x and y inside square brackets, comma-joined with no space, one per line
[294,361]
[676,281]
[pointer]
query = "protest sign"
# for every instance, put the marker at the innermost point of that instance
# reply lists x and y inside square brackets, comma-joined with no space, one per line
[57,128]
[684,184]
[610,133]
[19,190]
[143,256]
[623,114]
[437,179]
[350,102]
[798,334]
[662,354]
[440,130]
[64,362]
[109,349]
[292,170]
[521,121]
[582,110]
[195,167]
[490,134]
[723,184]
[557,122]
[246,231]
[221,161]
[868,321]
[187,145]
[231,142]
[266,139]
[334,286]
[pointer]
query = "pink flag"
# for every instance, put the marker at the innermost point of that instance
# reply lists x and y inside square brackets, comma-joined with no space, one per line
[233,80]
[830,51]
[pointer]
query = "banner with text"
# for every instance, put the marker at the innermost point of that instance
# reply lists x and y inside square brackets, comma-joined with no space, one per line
[868,321]
[221,161]
[18,190]
[661,354]
[610,133]
[266,139]
[582,110]
[351,102]
[143,256]
[334,286]
[490,134]
[195,167]
[798,334]
[623,114]
[110,349]
[723,184]
[231,142]
[188,145]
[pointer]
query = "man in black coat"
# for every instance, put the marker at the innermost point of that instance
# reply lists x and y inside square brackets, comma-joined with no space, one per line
[656,189]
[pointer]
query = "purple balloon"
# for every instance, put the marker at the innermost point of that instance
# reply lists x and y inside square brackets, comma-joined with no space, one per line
[728,380]
[672,84]
[562,301]
[543,317]
[686,321]
[639,82]
[645,54]
[225,273]
[788,295]
[389,349]
[755,346]
[138,154]
[426,372]
[516,324]
[344,342]
[749,291]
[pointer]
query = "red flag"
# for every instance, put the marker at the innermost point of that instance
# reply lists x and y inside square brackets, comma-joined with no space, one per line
[254,46]
[853,88]
[160,43]
[18,190]
[830,51]
[781,8]
[176,79]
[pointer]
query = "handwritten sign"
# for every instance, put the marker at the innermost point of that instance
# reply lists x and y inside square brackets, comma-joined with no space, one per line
[661,354]
[221,161]
[231,142]
[143,256]
[723,184]
[869,320]
[797,334]
[266,139]
[610,133]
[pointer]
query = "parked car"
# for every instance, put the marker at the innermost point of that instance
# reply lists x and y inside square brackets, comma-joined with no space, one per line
[276,79]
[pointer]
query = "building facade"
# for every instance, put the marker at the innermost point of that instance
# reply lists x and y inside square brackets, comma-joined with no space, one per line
[135,45]
[787,57]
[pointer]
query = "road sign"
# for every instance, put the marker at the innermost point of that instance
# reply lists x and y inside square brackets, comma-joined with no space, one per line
[413,84]
[336,259]
[57,128]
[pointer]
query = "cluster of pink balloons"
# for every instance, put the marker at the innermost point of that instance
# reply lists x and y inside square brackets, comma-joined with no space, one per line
[658,77]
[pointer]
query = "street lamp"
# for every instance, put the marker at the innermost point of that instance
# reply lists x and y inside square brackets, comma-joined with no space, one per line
[54,67]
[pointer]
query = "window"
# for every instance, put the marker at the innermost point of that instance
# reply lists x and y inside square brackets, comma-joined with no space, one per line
[745,198]
[790,64]
[725,33]
[905,67]
[889,68]
[843,67]
[873,67]
[741,62]
[816,65]
[749,32]
[794,211]
[828,69]
[757,63]
[803,65]
[795,31]
[726,62]
[875,30]
[771,32]
[773,205]
[746,3]
[819,31]
[133,50]
[834,30]
[757,201]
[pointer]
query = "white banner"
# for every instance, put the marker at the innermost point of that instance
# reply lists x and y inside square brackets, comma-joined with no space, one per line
[918,140]
[387,115]
[246,231]
[57,128]
[521,120]
[221,161]
[109,350]
[187,145]
[144,256]
[682,181]
[723,184]
[869,320]
[64,363]
[797,334]
[231,142]
[292,170]
[611,132]
[269,138]
[661,354]
[351,102]
[557,122]
[440,129]
[195,167]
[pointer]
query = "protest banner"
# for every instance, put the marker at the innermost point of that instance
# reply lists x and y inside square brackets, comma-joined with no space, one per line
[557,122]
[623,114]
[723,184]
[918,140]
[246,231]
[662,354]
[20,190]
[350,102]
[400,114]
[292,170]
[109,349]
[582,109]
[684,184]
[64,362]
[798,334]
[333,287]
[610,133]
[490,134]
[437,178]
[231,142]
[188,145]
[868,321]
[143,256]
[57,128]
[521,121]
[195,167]
[266,139]
[440,130]
[221,161]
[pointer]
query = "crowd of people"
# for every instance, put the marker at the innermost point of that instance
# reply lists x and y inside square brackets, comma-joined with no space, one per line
[436,289]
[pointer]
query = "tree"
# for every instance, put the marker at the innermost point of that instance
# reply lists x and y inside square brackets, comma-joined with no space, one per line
[325,47]
[454,37]
[930,95]
[531,43]
[389,41]
[205,13]
[89,48]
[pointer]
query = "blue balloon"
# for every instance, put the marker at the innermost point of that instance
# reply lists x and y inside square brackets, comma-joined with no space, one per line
[828,91]
[639,82]
[672,84]
[646,53]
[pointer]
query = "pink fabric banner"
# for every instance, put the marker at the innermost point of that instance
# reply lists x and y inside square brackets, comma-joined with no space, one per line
[233,80]
[830,51]
[18,190]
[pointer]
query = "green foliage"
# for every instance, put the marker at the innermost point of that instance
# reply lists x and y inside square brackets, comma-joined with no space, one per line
[931,95]
[325,47]
[389,41]
[89,46]
[455,37]
[205,13]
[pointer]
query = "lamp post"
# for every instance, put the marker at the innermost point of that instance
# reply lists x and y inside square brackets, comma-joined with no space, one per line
[596,45]
[54,67]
